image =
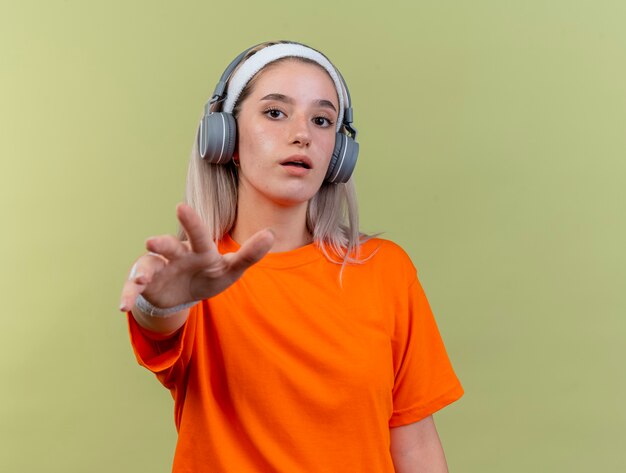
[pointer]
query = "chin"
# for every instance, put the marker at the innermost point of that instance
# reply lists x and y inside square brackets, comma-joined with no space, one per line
[294,196]
[280,192]
[291,200]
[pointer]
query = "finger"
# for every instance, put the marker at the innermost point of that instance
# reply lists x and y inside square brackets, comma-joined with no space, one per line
[140,276]
[255,248]
[194,228]
[133,272]
[130,291]
[133,286]
[148,265]
[167,245]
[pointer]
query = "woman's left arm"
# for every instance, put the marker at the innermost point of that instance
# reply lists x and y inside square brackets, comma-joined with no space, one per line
[416,448]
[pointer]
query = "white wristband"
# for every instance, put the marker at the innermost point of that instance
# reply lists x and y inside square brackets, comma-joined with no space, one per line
[146,307]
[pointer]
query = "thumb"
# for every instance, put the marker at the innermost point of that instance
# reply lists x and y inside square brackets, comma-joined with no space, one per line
[253,250]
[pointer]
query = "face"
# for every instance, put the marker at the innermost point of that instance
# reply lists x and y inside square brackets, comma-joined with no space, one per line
[286,133]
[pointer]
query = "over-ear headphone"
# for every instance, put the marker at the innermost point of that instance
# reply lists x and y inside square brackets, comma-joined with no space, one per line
[217,133]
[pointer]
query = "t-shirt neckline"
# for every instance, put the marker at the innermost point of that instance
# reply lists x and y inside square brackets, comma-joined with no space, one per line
[279,260]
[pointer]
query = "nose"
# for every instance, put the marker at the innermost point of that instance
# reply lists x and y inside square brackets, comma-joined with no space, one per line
[300,131]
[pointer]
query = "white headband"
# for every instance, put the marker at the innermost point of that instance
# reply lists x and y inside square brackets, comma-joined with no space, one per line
[263,57]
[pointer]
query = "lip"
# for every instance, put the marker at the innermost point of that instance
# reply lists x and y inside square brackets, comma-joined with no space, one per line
[299,157]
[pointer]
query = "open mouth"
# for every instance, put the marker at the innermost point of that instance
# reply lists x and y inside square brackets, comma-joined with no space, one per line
[299,164]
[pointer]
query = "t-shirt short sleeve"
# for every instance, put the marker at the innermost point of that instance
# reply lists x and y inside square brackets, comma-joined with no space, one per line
[165,358]
[424,379]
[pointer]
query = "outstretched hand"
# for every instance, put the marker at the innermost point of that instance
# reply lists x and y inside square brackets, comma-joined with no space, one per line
[175,272]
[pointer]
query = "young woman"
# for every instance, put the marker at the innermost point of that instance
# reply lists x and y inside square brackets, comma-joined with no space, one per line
[290,342]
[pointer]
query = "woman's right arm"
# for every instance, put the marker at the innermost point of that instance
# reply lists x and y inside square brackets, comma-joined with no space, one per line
[176,272]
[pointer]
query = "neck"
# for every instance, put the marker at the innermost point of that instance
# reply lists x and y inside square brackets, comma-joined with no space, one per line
[288,223]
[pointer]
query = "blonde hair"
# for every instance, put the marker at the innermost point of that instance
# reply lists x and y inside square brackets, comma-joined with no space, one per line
[332,214]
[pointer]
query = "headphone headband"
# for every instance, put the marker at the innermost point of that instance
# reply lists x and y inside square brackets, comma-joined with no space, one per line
[269,54]
[260,59]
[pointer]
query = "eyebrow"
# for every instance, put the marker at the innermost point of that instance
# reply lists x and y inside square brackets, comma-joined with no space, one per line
[283,98]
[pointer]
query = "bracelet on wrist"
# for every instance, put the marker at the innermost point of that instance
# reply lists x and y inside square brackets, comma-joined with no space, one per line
[153,311]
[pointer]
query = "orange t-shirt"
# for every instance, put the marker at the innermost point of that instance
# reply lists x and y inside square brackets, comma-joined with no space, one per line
[289,370]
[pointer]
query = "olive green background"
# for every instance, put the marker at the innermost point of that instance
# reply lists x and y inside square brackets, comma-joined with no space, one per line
[493,149]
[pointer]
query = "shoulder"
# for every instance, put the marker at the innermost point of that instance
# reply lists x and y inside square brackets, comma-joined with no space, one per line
[389,258]
[384,249]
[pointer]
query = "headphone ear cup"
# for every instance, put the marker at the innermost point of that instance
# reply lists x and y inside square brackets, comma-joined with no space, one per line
[343,160]
[217,136]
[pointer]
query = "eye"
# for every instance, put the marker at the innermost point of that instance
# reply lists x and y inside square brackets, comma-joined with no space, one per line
[322,122]
[273,113]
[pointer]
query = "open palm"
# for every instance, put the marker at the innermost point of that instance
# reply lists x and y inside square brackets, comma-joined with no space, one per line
[175,272]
